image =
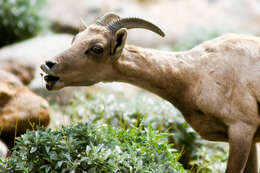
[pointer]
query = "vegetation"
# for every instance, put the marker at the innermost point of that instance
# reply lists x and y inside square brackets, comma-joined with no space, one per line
[141,133]
[93,148]
[123,111]
[20,19]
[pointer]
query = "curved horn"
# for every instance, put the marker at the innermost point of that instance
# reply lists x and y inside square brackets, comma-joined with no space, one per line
[130,23]
[107,18]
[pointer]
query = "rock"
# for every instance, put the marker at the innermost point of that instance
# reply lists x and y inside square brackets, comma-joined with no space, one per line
[91,9]
[3,150]
[70,18]
[173,16]
[25,72]
[31,54]
[20,109]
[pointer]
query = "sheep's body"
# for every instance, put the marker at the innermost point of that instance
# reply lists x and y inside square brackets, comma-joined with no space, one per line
[228,84]
[215,85]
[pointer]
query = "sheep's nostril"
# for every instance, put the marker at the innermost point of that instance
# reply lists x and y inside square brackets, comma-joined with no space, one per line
[50,64]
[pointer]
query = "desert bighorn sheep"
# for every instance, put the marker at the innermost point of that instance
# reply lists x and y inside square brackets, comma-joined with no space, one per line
[216,85]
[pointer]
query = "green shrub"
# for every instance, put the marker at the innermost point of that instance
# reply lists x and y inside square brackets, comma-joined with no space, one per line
[93,148]
[20,19]
[123,111]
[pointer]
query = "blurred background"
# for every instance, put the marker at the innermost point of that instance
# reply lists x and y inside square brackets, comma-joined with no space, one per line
[32,31]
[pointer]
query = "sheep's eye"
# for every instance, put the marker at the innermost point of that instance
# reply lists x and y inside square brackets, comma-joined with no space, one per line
[97,49]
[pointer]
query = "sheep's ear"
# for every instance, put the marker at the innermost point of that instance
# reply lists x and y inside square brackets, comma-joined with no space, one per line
[82,25]
[119,43]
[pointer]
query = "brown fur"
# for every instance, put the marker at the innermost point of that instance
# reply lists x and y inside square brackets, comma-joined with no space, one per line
[215,85]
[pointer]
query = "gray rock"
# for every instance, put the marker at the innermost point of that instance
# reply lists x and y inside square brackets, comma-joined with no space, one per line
[3,150]
[35,51]
[175,17]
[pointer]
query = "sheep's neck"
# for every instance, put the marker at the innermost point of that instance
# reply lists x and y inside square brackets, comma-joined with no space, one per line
[160,72]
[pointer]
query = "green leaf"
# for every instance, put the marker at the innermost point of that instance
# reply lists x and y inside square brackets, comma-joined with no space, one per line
[47,148]
[59,164]
[33,149]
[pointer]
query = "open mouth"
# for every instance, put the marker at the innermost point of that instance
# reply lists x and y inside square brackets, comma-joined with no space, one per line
[50,81]
[50,78]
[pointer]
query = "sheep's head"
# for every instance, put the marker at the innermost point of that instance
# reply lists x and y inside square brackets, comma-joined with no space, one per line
[93,51]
